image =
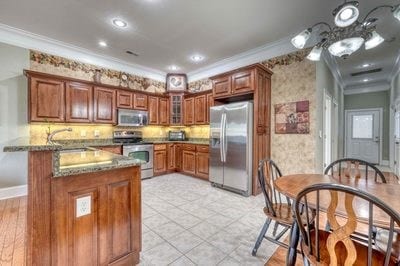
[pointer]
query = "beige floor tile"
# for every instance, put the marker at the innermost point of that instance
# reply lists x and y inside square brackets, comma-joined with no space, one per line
[155,221]
[229,261]
[169,230]
[225,241]
[187,221]
[150,240]
[162,254]
[219,220]
[206,254]
[204,230]
[185,241]
[182,261]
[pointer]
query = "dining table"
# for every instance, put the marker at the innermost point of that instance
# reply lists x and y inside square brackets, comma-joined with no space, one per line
[291,185]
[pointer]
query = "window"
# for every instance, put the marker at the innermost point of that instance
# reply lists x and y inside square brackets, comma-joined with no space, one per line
[363,126]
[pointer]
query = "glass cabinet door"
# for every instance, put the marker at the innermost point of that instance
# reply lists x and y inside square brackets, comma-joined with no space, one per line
[176,109]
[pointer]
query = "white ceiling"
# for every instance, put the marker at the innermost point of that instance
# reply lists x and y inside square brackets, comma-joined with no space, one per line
[165,32]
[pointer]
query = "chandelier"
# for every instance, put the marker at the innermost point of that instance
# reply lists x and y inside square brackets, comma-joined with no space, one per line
[348,34]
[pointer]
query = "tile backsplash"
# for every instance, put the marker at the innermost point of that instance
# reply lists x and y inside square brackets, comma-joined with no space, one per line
[38,131]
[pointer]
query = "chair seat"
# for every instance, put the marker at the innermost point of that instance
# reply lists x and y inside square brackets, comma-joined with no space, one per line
[378,258]
[283,211]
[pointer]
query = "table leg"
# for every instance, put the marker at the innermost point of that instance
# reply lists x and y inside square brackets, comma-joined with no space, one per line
[293,241]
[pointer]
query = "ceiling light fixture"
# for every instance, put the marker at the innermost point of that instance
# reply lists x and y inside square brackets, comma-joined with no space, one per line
[366,65]
[197,58]
[102,43]
[348,34]
[173,67]
[365,80]
[119,23]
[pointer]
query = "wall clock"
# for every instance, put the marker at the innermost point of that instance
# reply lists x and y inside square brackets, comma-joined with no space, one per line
[176,82]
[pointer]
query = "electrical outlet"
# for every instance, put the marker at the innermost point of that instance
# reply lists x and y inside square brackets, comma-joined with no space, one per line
[83,206]
[97,133]
[83,133]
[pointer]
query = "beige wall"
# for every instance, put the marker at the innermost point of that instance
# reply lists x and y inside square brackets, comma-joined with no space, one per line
[294,153]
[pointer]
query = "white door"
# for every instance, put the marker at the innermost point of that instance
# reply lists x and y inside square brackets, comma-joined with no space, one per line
[397,143]
[363,138]
[327,130]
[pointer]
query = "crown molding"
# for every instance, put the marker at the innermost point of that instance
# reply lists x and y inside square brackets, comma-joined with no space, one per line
[367,88]
[253,56]
[28,40]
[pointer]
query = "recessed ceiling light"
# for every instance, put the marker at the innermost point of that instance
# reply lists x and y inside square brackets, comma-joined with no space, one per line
[102,43]
[366,65]
[365,80]
[197,58]
[173,67]
[119,23]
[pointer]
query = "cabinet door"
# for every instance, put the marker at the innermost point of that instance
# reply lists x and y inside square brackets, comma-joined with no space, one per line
[222,87]
[112,149]
[243,82]
[153,110]
[176,102]
[104,106]
[188,109]
[163,111]
[79,102]
[210,103]
[160,162]
[200,107]
[47,100]
[202,164]
[124,99]
[189,162]
[140,101]
[178,157]
[171,156]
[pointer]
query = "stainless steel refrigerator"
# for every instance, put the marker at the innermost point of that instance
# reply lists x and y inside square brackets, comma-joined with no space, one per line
[231,131]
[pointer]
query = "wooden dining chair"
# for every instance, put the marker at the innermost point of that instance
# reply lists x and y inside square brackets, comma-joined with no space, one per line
[337,247]
[350,167]
[277,207]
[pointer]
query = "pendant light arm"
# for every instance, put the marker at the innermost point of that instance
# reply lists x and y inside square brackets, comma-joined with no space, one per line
[320,23]
[392,8]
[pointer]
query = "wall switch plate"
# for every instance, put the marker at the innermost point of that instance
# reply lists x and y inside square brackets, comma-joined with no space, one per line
[97,133]
[83,133]
[83,206]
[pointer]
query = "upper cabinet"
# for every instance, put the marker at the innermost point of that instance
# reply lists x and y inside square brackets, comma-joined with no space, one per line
[104,106]
[78,102]
[124,99]
[188,111]
[242,82]
[222,86]
[176,110]
[200,107]
[235,83]
[153,110]
[47,100]
[163,111]
[210,103]
[140,101]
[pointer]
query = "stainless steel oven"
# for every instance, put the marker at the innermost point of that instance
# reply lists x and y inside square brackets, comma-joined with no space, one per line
[142,152]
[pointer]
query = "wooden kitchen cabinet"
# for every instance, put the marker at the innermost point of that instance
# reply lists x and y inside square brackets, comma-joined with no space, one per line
[78,102]
[210,103]
[178,157]
[46,100]
[188,111]
[200,109]
[222,86]
[140,101]
[163,111]
[189,162]
[202,161]
[153,110]
[105,106]
[176,109]
[112,149]
[242,82]
[160,159]
[124,99]
[171,165]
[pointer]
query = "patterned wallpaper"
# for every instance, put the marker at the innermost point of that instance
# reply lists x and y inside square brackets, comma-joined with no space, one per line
[57,65]
[200,85]
[291,82]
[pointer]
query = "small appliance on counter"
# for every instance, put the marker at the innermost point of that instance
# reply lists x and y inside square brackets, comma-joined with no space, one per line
[133,146]
[178,135]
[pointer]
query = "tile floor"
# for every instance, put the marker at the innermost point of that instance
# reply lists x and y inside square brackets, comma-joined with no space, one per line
[188,222]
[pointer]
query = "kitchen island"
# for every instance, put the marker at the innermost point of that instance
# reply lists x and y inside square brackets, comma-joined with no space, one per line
[84,206]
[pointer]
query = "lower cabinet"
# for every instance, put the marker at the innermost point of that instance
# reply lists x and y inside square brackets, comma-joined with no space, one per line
[171,157]
[112,149]
[160,159]
[189,162]
[195,160]
[202,161]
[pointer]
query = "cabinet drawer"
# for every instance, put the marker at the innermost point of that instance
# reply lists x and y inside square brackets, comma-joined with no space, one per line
[202,148]
[112,149]
[160,147]
[189,147]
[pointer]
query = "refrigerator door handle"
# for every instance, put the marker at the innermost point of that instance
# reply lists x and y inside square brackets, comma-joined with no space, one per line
[225,138]
[221,139]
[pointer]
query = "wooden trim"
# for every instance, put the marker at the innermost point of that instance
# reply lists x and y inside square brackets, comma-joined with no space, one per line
[253,66]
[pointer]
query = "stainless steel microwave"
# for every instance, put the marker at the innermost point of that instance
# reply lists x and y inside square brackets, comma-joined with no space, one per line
[132,118]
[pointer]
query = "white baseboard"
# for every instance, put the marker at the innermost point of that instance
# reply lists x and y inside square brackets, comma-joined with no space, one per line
[385,163]
[13,192]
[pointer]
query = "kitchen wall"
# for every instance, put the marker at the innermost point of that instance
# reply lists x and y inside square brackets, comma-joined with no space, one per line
[13,113]
[395,88]
[373,100]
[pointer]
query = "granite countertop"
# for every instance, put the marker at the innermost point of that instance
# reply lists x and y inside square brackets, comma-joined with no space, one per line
[199,141]
[80,161]
[26,144]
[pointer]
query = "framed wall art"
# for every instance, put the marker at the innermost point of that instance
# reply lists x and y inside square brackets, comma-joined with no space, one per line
[176,82]
[292,118]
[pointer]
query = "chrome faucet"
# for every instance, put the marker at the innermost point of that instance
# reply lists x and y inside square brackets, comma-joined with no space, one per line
[51,135]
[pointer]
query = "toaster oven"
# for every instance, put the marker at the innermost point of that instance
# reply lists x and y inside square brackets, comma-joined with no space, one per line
[177,135]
